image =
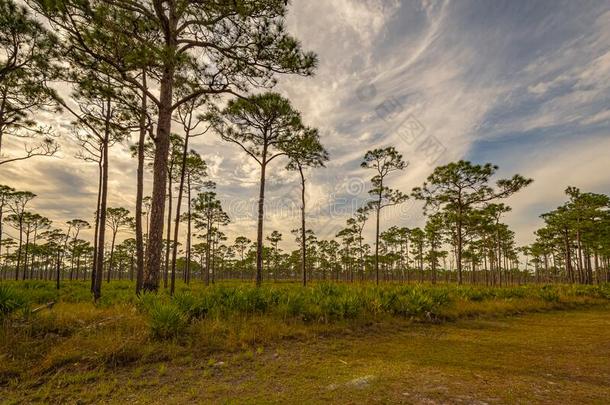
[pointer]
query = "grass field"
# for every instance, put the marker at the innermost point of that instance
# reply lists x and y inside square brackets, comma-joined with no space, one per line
[339,343]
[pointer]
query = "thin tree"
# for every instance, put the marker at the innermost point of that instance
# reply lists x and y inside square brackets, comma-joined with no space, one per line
[6,193]
[19,201]
[357,222]
[195,173]
[77,225]
[207,212]
[434,239]
[191,126]
[274,239]
[305,151]
[383,162]
[263,125]
[241,244]
[99,124]
[116,218]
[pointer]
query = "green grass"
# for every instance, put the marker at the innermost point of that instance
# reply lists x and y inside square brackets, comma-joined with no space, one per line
[78,341]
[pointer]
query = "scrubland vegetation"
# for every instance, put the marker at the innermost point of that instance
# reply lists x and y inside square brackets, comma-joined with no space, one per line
[78,341]
[233,314]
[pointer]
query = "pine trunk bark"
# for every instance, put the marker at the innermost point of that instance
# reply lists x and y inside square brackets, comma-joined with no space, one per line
[259,233]
[97,287]
[178,206]
[157,210]
[140,191]
[303,233]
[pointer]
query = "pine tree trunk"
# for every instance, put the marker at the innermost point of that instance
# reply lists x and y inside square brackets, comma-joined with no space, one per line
[140,191]
[168,240]
[259,232]
[97,288]
[18,265]
[97,224]
[157,211]
[178,206]
[25,253]
[303,241]
[187,268]
[111,261]
[208,248]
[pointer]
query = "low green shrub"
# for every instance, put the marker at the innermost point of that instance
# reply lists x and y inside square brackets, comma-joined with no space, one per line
[10,300]
[511,292]
[167,320]
[474,294]
[320,302]
[549,293]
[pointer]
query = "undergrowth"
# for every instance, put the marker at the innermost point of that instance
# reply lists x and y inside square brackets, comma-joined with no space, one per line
[122,328]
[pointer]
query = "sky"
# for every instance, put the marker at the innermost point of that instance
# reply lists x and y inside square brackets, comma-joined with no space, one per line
[521,84]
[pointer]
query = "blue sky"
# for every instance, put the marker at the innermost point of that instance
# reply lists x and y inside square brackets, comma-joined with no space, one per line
[522,84]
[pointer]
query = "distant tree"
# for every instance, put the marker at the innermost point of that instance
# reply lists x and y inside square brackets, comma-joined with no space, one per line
[56,245]
[196,171]
[274,239]
[207,215]
[585,211]
[305,150]
[6,193]
[35,223]
[76,225]
[310,240]
[578,231]
[18,203]
[418,244]
[348,238]
[383,162]
[434,240]
[457,188]
[241,244]
[357,222]
[117,218]
[8,244]
[79,248]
